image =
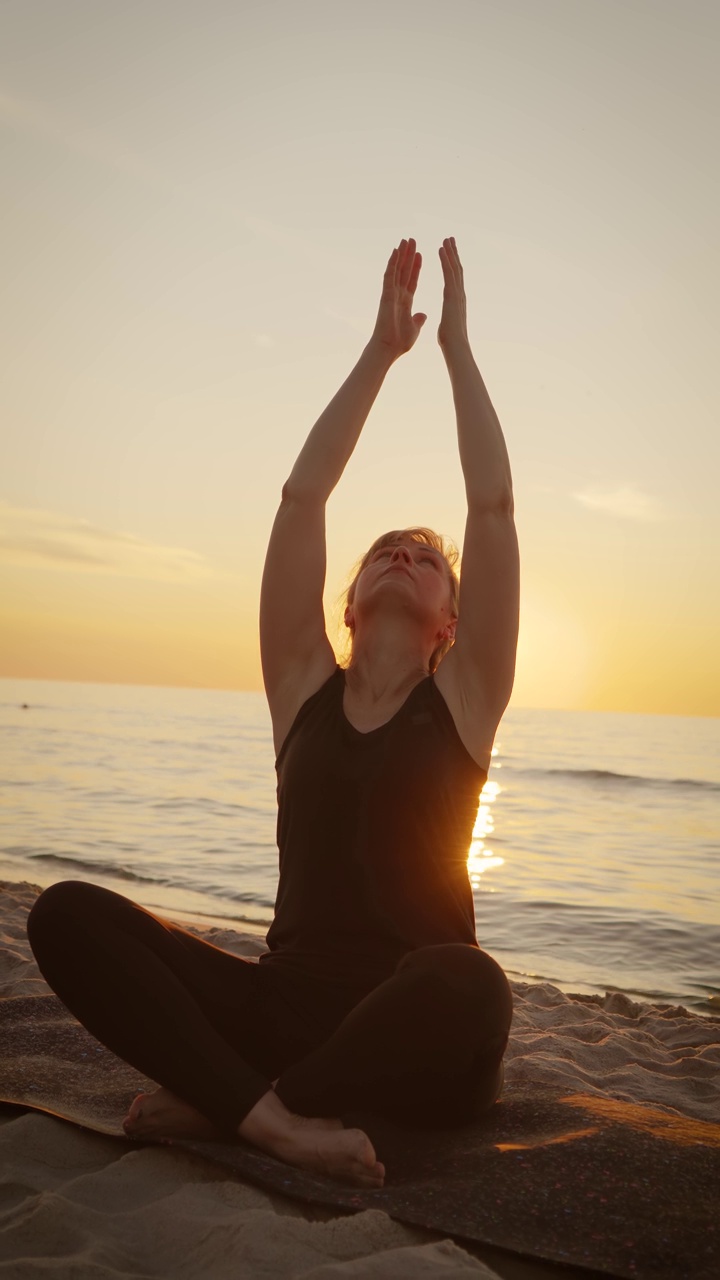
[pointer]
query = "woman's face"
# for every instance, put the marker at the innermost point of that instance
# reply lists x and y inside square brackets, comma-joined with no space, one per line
[410,569]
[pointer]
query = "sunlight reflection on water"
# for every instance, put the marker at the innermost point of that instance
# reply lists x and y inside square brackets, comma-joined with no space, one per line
[481,858]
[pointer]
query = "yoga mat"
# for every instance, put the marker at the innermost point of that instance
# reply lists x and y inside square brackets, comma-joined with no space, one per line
[622,1189]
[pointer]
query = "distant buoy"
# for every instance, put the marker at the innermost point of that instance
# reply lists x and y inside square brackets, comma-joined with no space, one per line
[25,707]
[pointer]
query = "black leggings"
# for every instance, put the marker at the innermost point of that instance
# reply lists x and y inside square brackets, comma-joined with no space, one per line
[424,1047]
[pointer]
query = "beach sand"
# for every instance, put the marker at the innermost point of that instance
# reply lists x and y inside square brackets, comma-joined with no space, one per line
[75,1203]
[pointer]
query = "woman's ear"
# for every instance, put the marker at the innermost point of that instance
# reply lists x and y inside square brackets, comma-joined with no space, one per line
[349,618]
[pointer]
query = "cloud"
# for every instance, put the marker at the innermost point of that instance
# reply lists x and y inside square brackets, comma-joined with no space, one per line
[625,503]
[50,540]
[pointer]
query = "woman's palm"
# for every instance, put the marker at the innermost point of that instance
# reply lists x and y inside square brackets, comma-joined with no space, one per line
[396,327]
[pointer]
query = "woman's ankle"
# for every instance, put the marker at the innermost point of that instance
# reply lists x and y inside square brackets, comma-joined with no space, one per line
[267,1123]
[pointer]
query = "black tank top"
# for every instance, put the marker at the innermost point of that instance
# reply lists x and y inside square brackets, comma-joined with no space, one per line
[373,831]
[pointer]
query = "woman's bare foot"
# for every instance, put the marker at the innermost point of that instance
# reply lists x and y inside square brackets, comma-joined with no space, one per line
[346,1154]
[316,1143]
[319,1145]
[162,1115]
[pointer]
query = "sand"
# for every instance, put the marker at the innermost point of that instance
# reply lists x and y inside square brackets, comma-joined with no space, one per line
[74,1203]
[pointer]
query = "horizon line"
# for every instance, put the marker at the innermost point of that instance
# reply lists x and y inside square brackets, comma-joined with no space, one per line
[209,688]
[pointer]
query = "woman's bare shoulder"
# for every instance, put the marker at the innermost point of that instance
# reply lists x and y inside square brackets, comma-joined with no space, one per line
[466,704]
[299,685]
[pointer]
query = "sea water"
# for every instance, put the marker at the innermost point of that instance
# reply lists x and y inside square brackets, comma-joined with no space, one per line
[594,860]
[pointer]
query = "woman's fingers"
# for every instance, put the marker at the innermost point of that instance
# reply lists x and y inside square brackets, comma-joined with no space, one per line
[395,327]
[451,265]
[457,257]
[398,255]
[415,272]
[406,262]
[447,268]
[403,267]
[453,321]
[390,270]
[407,266]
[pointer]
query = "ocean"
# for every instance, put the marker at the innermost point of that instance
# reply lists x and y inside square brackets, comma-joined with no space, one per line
[594,860]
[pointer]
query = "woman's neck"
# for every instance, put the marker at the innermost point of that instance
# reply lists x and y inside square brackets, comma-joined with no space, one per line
[372,683]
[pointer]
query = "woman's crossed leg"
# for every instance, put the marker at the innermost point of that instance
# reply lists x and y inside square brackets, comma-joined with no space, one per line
[178,1009]
[426,1045]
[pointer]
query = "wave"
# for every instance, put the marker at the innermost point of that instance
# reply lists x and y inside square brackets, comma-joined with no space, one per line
[102,868]
[113,870]
[618,779]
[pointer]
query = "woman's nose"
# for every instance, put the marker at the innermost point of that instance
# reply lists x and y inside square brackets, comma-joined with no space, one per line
[401,553]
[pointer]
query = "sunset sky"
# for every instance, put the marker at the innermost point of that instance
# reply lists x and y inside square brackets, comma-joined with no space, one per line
[198,202]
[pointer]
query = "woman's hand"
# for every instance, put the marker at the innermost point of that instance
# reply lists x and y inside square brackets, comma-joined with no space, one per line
[396,329]
[452,332]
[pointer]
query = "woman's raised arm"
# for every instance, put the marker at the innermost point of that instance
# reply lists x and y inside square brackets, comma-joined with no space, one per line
[296,653]
[330,444]
[487,629]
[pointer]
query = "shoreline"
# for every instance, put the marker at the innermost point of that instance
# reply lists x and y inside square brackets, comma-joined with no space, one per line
[201,922]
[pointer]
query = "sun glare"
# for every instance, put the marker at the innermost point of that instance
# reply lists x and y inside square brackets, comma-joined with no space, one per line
[481,858]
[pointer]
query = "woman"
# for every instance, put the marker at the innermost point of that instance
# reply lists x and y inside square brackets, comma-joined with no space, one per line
[373,993]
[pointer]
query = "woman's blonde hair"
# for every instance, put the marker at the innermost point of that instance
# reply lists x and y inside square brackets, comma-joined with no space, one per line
[417,533]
